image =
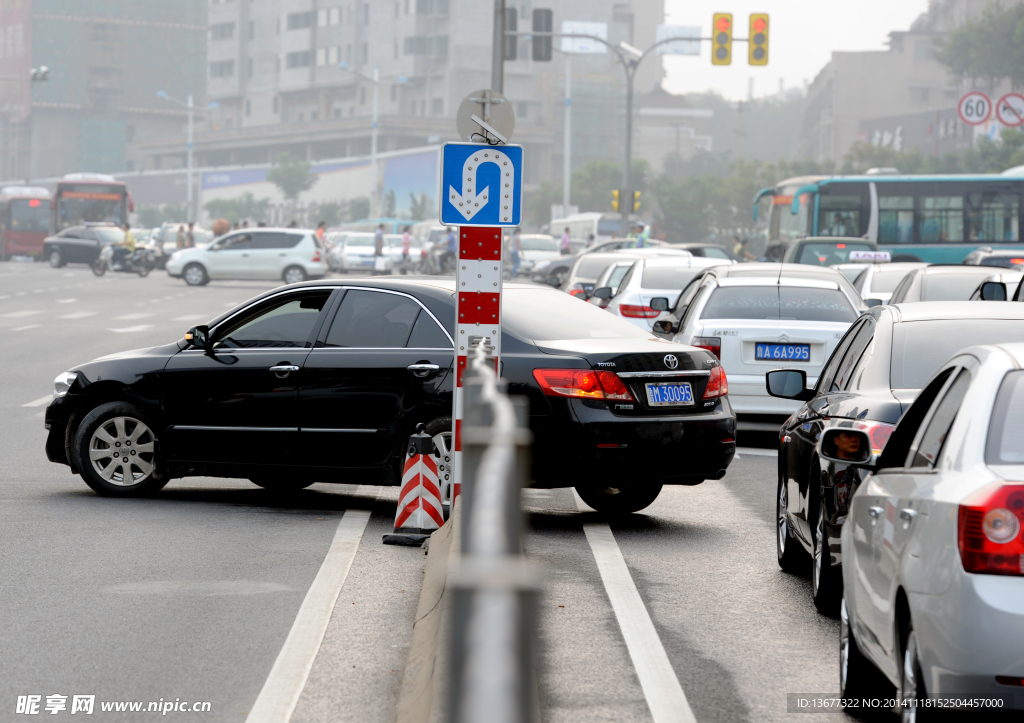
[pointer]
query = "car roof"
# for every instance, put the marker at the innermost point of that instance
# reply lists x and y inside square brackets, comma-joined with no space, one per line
[776,281]
[769,269]
[1014,349]
[946,310]
[684,261]
[903,266]
[1000,252]
[953,269]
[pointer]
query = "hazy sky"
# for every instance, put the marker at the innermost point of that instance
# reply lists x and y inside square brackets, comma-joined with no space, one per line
[803,34]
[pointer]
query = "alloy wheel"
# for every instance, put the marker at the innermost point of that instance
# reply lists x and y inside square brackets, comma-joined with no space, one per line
[121,451]
[783,523]
[55,259]
[909,688]
[194,275]
[844,647]
[819,538]
[443,456]
[294,275]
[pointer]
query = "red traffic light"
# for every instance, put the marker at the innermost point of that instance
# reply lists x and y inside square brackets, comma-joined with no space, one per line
[723,24]
[760,24]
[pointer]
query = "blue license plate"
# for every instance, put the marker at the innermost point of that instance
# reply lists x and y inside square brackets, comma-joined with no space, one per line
[673,394]
[367,262]
[783,352]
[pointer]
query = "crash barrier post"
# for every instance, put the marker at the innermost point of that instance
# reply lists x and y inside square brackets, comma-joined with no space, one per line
[494,607]
[419,510]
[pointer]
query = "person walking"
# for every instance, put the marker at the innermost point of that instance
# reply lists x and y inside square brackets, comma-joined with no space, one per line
[406,246]
[321,229]
[566,244]
[190,237]
[451,248]
[179,241]
[378,250]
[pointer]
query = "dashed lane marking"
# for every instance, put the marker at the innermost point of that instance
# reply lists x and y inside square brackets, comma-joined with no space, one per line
[78,315]
[280,694]
[190,317]
[65,301]
[20,314]
[132,329]
[26,327]
[755,452]
[664,694]
[130,317]
[39,402]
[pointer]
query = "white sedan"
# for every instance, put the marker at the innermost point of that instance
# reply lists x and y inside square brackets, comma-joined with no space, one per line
[933,554]
[652,285]
[536,249]
[757,323]
[256,253]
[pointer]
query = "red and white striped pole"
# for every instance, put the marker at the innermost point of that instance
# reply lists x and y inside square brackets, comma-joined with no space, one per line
[478,280]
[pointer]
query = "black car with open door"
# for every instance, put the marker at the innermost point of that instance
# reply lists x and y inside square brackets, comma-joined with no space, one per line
[325,381]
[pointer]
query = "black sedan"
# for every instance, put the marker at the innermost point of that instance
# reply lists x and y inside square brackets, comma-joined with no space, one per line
[872,377]
[80,244]
[325,381]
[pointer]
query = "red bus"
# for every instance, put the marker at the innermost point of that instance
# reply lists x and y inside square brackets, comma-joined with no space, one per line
[83,198]
[24,221]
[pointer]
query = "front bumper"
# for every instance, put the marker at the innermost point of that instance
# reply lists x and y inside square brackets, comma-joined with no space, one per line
[970,634]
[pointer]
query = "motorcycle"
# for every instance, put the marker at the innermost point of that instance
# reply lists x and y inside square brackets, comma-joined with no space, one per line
[439,260]
[141,261]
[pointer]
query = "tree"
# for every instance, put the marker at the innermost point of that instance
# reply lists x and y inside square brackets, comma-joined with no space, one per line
[152,216]
[419,208]
[990,46]
[359,208]
[537,203]
[239,209]
[330,212]
[292,176]
[388,210]
[592,184]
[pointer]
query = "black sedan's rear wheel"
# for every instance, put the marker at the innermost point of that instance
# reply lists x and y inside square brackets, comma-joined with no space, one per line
[115,449]
[791,555]
[623,499]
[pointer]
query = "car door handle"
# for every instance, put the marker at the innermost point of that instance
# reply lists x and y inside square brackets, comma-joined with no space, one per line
[284,368]
[907,514]
[874,512]
[422,370]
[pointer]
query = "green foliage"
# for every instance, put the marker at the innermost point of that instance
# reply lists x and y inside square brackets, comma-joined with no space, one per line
[990,46]
[389,206]
[592,184]
[984,157]
[537,203]
[292,176]
[153,216]
[359,208]
[245,207]
[419,208]
[329,212]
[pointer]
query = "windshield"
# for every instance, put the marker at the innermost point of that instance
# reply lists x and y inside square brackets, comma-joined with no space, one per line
[90,203]
[547,315]
[669,277]
[779,302]
[109,235]
[30,215]
[538,243]
[359,241]
[590,269]
[885,282]
[1007,427]
[616,276]
[919,348]
[826,254]
[951,287]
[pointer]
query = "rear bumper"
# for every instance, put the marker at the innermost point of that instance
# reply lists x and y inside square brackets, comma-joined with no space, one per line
[748,395]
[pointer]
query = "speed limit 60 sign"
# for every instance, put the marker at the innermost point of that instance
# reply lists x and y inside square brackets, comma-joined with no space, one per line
[974,108]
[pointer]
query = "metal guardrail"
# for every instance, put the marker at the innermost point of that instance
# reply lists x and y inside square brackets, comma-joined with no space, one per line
[495,593]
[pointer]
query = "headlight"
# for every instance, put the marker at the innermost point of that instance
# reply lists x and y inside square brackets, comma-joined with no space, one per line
[63,383]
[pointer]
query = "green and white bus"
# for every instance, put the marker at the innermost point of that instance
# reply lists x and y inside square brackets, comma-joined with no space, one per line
[938,219]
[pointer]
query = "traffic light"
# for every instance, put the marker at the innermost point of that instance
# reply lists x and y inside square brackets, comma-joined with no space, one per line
[721,39]
[758,43]
[636,201]
[542,23]
[511,26]
[615,200]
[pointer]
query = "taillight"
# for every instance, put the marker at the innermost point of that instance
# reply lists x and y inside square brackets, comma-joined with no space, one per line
[636,311]
[718,384]
[879,432]
[582,383]
[577,292]
[989,531]
[712,343]
[316,256]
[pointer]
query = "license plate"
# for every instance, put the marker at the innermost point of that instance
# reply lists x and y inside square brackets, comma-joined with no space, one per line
[783,352]
[367,262]
[673,394]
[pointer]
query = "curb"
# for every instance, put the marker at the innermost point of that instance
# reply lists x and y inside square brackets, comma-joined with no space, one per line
[422,697]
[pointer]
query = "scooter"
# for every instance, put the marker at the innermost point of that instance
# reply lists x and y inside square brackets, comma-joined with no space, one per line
[141,262]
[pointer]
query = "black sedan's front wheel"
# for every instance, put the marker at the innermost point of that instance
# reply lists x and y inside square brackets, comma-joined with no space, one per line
[826,584]
[115,449]
[622,499]
[791,555]
[56,259]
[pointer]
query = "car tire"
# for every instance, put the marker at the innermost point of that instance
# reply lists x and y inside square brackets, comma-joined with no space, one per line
[142,271]
[622,500]
[195,275]
[280,484]
[826,581]
[106,431]
[56,258]
[791,555]
[858,676]
[4,256]
[912,687]
[294,275]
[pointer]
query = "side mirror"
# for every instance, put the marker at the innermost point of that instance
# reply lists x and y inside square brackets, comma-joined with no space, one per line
[993,291]
[659,303]
[872,302]
[665,326]
[199,337]
[605,292]
[788,384]
[845,446]
[553,281]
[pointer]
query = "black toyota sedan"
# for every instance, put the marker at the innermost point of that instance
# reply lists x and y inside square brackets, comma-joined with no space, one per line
[80,244]
[872,377]
[324,382]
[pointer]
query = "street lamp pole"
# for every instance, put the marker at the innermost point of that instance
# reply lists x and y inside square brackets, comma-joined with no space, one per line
[498,48]
[374,193]
[567,154]
[191,205]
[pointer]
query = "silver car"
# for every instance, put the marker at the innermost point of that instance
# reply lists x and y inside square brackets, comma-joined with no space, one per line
[933,554]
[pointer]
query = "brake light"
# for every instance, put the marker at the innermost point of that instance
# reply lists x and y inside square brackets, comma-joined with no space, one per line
[316,256]
[636,311]
[718,384]
[879,432]
[582,383]
[712,343]
[989,531]
[840,246]
[577,292]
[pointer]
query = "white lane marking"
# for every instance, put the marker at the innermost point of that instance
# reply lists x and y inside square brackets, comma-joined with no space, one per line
[78,315]
[280,694]
[19,314]
[189,317]
[39,402]
[26,327]
[5,296]
[132,329]
[21,293]
[664,694]
[65,301]
[755,452]
[130,317]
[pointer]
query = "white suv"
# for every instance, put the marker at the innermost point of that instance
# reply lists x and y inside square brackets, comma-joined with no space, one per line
[254,253]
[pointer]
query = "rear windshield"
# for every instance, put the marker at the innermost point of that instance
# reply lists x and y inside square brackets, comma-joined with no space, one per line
[616,276]
[919,348]
[590,269]
[779,302]
[359,241]
[828,253]
[537,244]
[885,282]
[951,287]
[1007,427]
[669,277]
[547,315]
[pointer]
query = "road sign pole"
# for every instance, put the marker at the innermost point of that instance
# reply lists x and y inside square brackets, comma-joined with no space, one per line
[498,48]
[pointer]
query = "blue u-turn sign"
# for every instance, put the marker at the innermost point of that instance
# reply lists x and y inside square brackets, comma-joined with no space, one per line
[481,185]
